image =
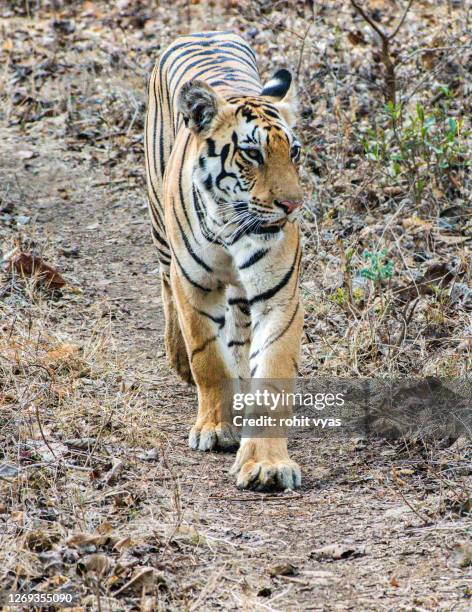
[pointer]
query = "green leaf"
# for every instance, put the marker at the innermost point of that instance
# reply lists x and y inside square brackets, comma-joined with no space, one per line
[420,112]
[366,273]
[452,126]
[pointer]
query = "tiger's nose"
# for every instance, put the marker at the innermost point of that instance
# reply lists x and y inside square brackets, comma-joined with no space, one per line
[289,205]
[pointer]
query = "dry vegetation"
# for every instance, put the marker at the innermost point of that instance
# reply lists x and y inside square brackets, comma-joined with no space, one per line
[98,494]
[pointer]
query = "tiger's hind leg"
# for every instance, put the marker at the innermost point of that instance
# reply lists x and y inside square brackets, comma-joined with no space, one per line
[176,350]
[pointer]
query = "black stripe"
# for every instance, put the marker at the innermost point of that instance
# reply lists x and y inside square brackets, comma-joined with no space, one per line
[205,63]
[202,347]
[243,231]
[198,204]
[236,343]
[208,65]
[208,71]
[218,320]
[237,301]
[250,58]
[211,34]
[188,277]
[244,309]
[163,253]
[254,258]
[155,214]
[198,52]
[266,295]
[181,192]
[185,45]
[188,246]
[283,331]
[244,326]
[157,237]
[161,130]
[154,128]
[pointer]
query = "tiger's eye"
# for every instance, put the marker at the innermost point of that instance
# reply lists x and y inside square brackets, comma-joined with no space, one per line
[253,154]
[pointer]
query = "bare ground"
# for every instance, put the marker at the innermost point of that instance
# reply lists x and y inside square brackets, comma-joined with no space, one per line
[100,495]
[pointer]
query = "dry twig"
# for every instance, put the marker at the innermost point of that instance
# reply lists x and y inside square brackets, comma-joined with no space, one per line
[385,39]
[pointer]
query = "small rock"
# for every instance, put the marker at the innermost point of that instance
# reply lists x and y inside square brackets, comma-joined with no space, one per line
[149,455]
[283,569]
[264,592]
[22,219]
[63,26]
[462,554]
[70,251]
[8,470]
[337,551]
[25,154]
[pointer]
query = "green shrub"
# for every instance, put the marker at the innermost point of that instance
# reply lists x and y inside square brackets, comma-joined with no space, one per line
[420,146]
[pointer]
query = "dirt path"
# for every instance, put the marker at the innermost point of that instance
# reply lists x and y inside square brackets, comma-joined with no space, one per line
[231,549]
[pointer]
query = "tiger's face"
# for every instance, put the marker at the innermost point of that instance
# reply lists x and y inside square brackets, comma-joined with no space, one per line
[247,154]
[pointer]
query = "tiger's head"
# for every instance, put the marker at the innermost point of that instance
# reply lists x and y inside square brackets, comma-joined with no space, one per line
[247,153]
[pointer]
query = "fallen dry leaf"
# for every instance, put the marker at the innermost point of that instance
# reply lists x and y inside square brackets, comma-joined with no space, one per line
[39,540]
[112,475]
[84,540]
[415,223]
[122,544]
[66,358]
[64,350]
[394,582]
[26,264]
[27,154]
[144,579]
[97,564]
[438,274]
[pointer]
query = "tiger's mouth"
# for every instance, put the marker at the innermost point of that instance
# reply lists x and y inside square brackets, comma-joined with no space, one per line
[278,223]
[274,224]
[271,227]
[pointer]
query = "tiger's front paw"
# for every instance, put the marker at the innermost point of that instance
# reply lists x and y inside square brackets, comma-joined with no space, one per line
[210,436]
[268,475]
[264,465]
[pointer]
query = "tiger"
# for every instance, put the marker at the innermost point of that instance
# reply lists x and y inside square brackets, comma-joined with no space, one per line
[224,199]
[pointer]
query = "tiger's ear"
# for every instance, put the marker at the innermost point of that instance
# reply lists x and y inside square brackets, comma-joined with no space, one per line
[283,95]
[199,104]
